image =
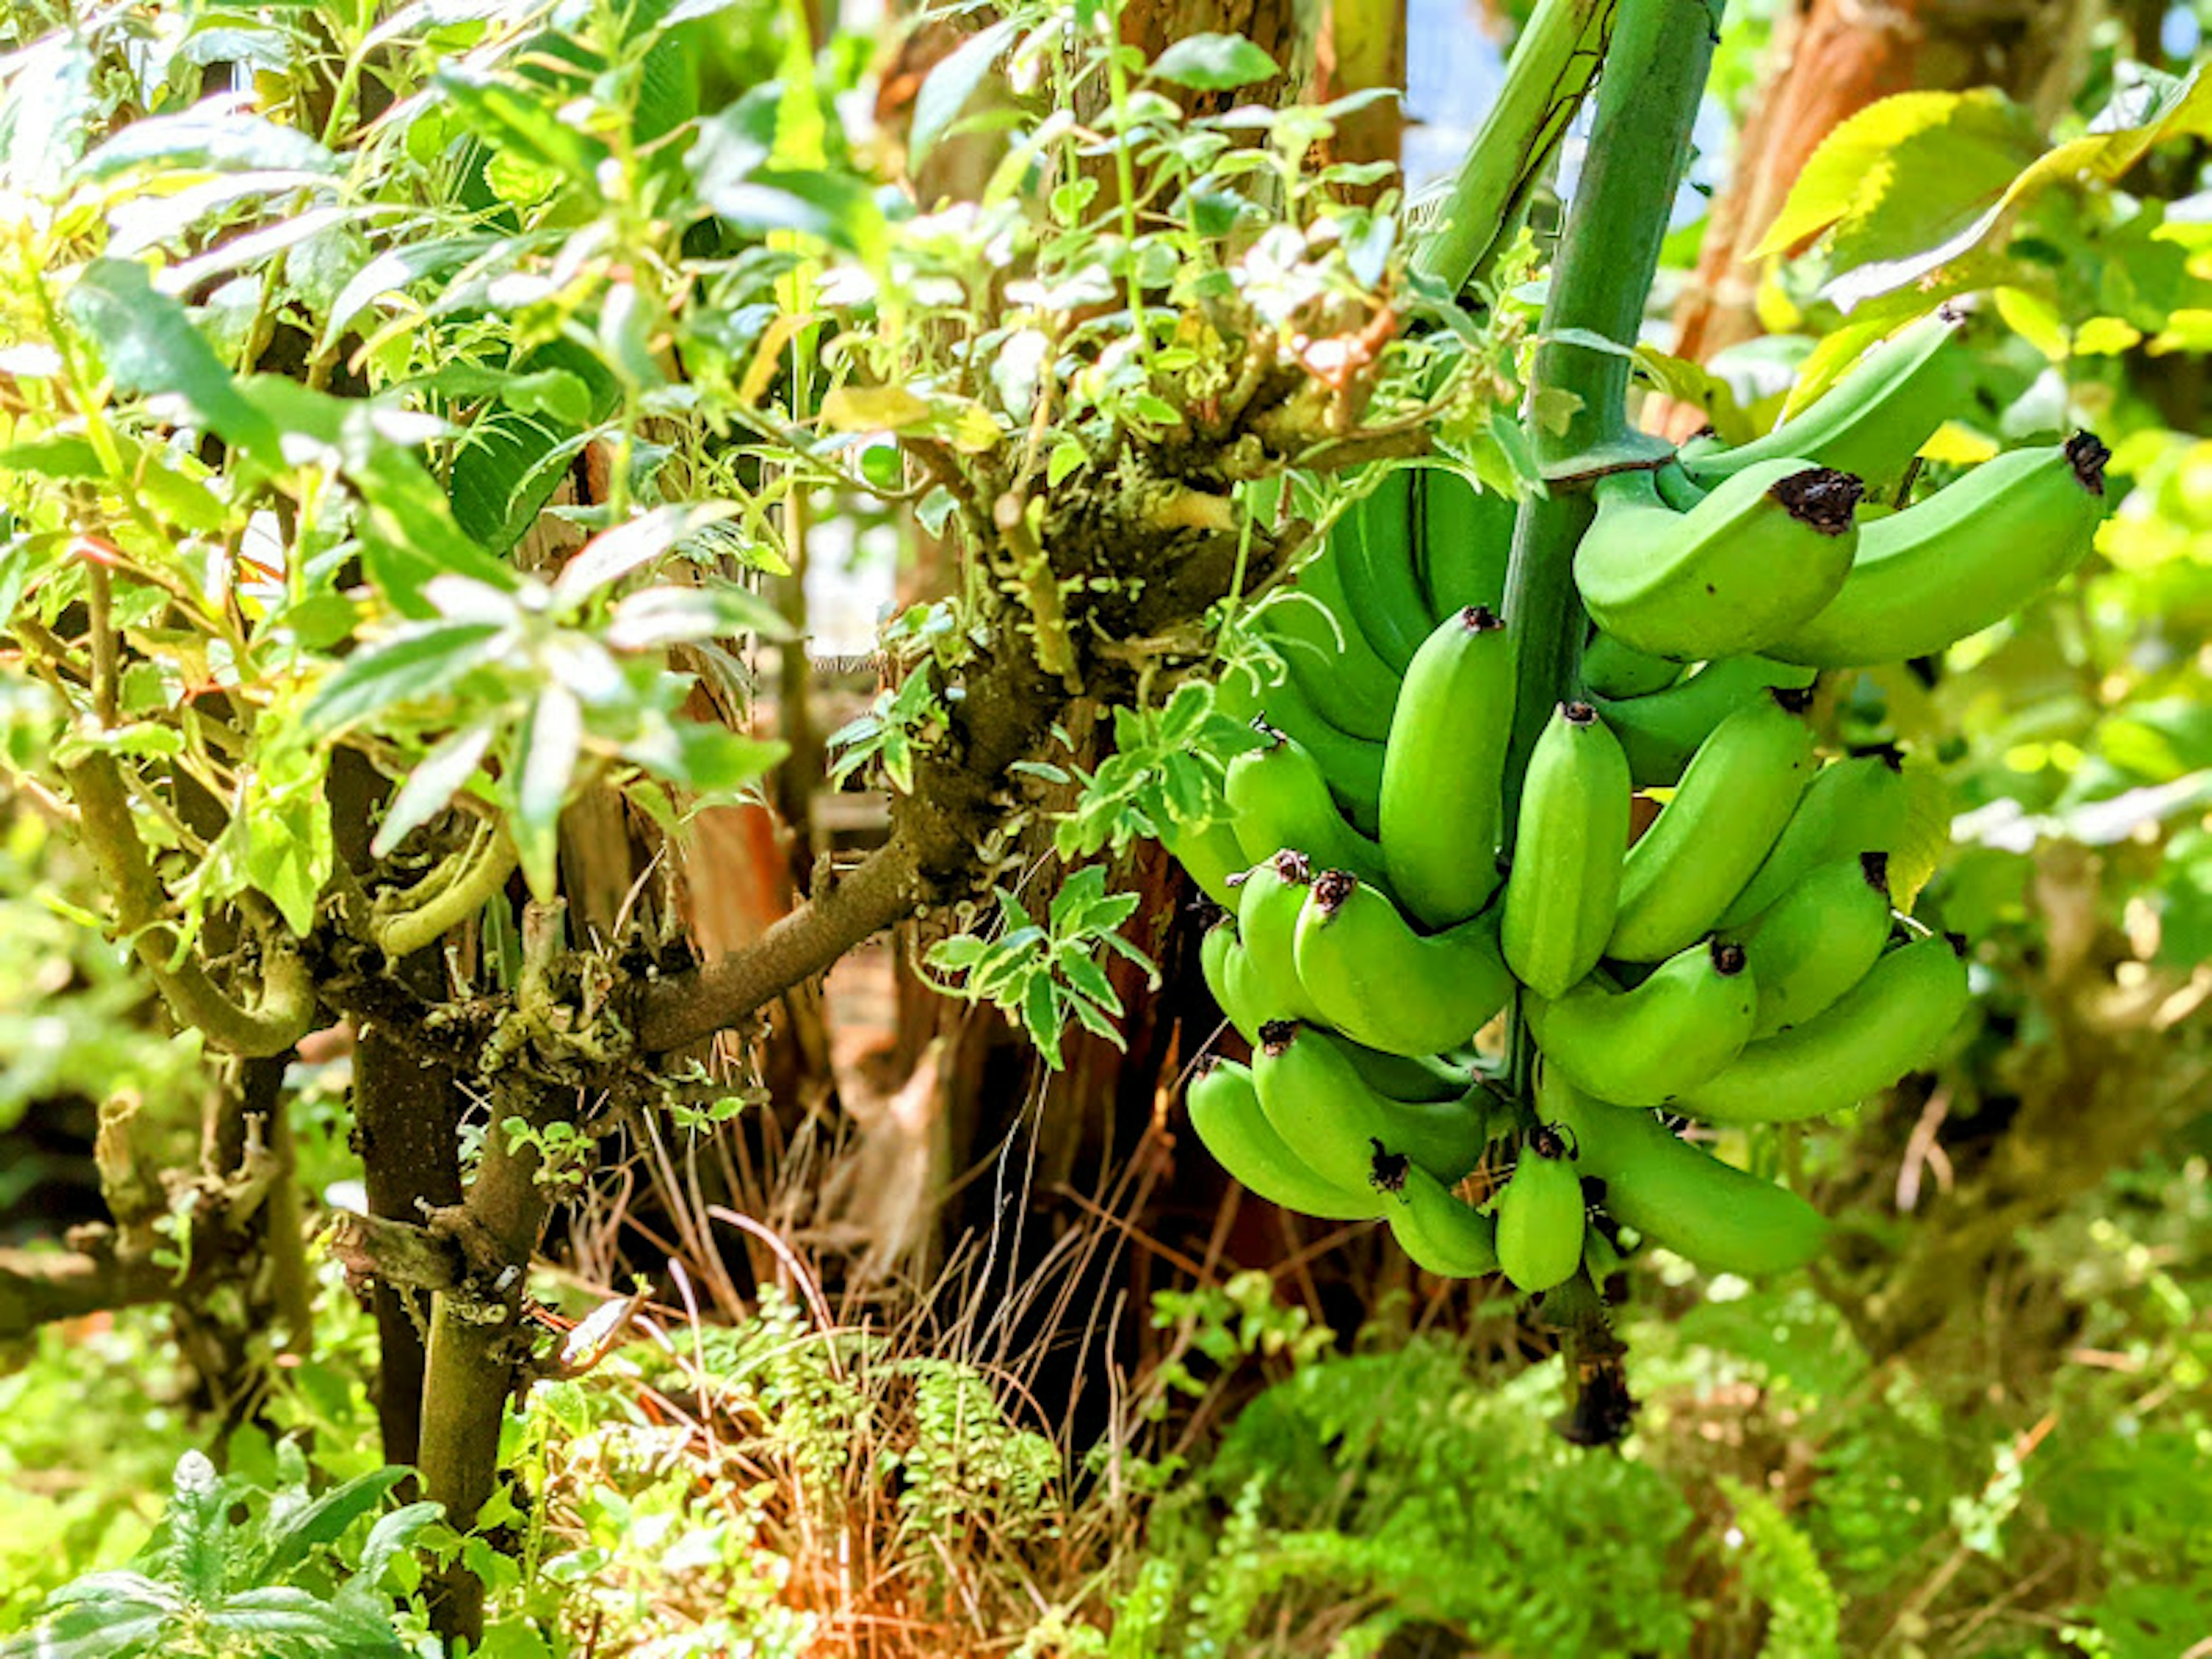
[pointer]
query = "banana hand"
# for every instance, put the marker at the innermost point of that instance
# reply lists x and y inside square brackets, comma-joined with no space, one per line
[1315,1097]
[1382,984]
[1225,1109]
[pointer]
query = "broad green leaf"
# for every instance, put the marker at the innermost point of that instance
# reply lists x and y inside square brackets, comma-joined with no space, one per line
[392,1534]
[433,784]
[522,120]
[951,84]
[1214,63]
[199,1528]
[613,554]
[416,662]
[661,617]
[149,346]
[61,457]
[208,138]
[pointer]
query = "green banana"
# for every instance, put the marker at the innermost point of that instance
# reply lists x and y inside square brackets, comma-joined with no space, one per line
[1439,1233]
[1887,1024]
[1564,883]
[1874,419]
[1540,1216]
[1383,985]
[1819,939]
[1465,544]
[1269,901]
[1610,669]
[1707,841]
[1660,732]
[1752,562]
[1225,1109]
[1314,1096]
[1352,767]
[1308,622]
[1228,977]
[1377,536]
[1443,769]
[1685,1023]
[1680,1195]
[1408,1077]
[1856,805]
[1210,854]
[1961,560]
[1278,797]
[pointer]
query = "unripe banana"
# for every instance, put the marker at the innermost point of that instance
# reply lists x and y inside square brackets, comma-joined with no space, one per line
[1858,805]
[1680,1195]
[1380,579]
[1210,854]
[1706,842]
[1278,797]
[1383,985]
[1819,939]
[1443,769]
[1646,1046]
[1660,732]
[1610,669]
[1891,1022]
[1540,1216]
[1755,560]
[1875,419]
[1228,973]
[1565,881]
[1316,1099]
[1225,1109]
[1408,1077]
[1352,767]
[1269,900]
[1442,1234]
[1466,542]
[1961,560]
[1308,622]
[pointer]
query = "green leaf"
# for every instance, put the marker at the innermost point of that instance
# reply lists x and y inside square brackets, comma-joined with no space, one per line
[199,1528]
[432,784]
[150,347]
[552,741]
[416,662]
[206,138]
[613,554]
[951,85]
[523,122]
[660,616]
[1214,63]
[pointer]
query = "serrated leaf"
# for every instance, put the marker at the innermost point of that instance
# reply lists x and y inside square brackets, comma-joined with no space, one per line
[951,84]
[1214,63]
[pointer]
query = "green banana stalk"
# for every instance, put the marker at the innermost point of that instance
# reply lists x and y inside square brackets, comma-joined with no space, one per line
[1660,731]
[1731,804]
[1315,1097]
[1819,939]
[1680,1195]
[1852,805]
[1540,1217]
[1466,542]
[1278,797]
[1748,564]
[1874,419]
[1439,1233]
[1891,1022]
[1645,1047]
[1225,1109]
[1610,669]
[1961,560]
[1352,767]
[1270,898]
[1375,979]
[1380,578]
[1309,623]
[1443,769]
[1564,883]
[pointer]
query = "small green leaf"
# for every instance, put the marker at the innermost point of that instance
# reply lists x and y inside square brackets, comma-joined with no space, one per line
[150,347]
[1214,63]
[431,785]
[416,662]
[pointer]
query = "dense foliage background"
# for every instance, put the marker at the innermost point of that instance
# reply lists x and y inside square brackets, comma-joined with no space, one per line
[906,1319]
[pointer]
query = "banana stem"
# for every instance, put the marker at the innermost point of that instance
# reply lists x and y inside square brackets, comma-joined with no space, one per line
[1654,74]
[1552,65]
